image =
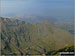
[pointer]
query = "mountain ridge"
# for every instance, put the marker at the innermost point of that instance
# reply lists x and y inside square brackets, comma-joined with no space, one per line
[19,37]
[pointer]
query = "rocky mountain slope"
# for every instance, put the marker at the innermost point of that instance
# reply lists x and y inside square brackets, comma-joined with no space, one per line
[19,37]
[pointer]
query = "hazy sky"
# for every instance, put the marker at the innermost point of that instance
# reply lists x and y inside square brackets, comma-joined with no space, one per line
[53,8]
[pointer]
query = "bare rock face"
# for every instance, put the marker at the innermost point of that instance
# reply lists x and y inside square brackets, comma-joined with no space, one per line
[19,37]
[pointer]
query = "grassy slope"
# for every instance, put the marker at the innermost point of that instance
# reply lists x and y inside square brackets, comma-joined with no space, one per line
[19,37]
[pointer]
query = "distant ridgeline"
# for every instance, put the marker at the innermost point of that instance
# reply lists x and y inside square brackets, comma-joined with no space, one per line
[22,38]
